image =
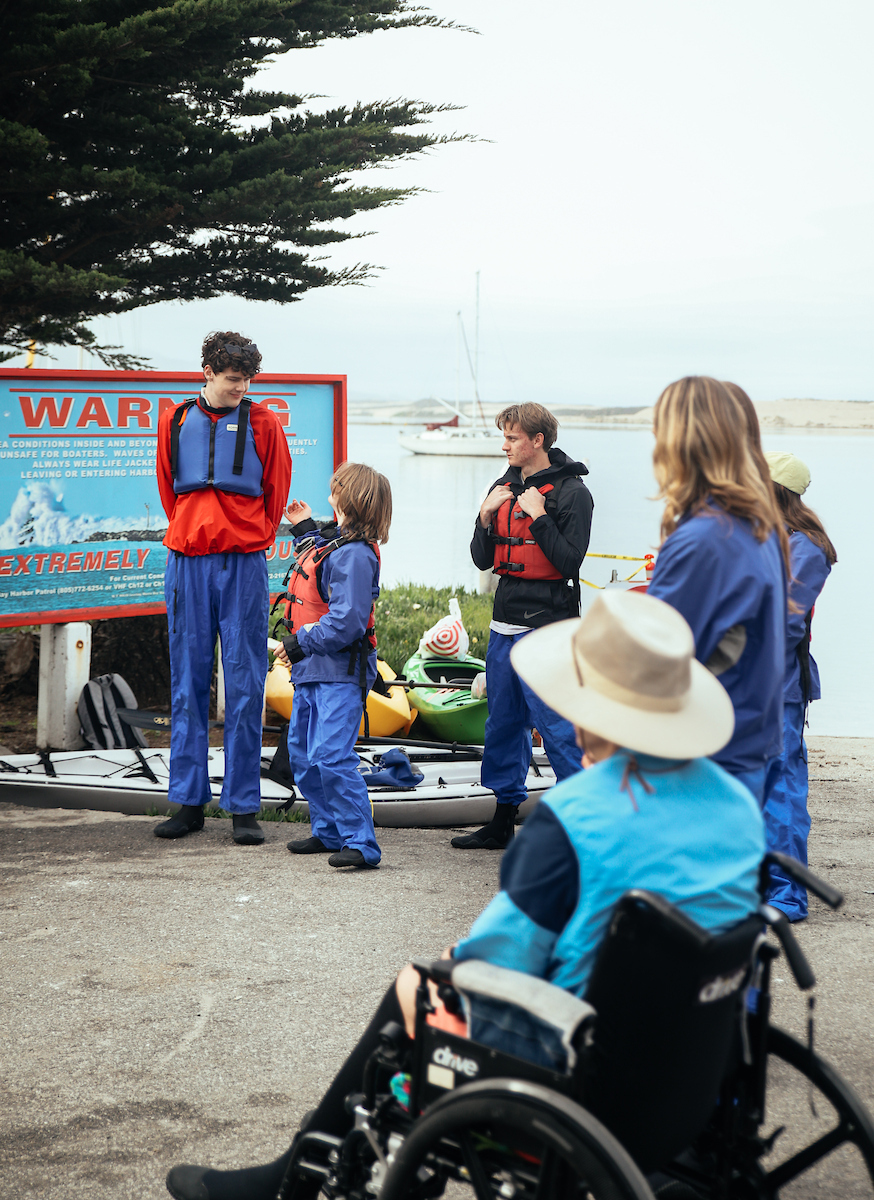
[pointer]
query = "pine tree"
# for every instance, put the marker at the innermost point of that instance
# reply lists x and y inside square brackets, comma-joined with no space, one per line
[141,165]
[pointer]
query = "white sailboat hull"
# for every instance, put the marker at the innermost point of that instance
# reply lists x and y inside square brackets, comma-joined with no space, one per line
[462,443]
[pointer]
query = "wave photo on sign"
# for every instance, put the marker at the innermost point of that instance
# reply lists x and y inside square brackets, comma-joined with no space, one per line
[38,516]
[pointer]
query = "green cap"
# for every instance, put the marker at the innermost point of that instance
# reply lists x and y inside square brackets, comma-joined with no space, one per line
[789,470]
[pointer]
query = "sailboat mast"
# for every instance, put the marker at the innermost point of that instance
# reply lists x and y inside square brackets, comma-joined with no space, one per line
[475,357]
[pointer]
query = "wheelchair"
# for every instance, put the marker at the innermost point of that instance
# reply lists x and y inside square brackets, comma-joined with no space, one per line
[655,1085]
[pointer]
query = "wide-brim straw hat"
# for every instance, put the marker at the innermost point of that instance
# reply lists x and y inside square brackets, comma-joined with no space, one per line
[627,672]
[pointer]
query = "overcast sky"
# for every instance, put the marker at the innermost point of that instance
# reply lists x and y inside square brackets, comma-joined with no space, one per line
[666,189]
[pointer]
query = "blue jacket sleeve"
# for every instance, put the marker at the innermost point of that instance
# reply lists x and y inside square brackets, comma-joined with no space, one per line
[349,585]
[689,576]
[810,569]
[540,889]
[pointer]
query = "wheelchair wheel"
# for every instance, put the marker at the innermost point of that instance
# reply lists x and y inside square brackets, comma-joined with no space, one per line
[515,1140]
[827,1146]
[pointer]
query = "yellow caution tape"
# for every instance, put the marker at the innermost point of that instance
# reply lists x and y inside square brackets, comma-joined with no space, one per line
[624,558]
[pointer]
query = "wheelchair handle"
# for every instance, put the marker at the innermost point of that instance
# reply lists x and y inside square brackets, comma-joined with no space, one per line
[797,871]
[798,964]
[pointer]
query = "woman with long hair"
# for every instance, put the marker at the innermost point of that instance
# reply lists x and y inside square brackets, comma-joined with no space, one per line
[812,555]
[721,563]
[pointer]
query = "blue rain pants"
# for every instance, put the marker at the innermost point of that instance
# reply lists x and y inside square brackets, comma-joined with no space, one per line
[325,718]
[514,710]
[225,594]
[787,821]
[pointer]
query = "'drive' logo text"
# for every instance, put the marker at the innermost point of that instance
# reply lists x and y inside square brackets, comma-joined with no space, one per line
[444,1057]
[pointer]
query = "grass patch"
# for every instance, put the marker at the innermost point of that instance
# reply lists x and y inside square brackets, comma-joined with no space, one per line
[404,613]
[264,814]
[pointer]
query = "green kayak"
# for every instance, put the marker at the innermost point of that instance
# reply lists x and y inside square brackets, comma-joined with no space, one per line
[450,714]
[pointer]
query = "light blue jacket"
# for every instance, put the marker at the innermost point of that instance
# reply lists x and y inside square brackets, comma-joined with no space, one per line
[697,838]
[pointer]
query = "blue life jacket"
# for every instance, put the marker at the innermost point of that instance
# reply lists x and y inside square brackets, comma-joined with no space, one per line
[220,454]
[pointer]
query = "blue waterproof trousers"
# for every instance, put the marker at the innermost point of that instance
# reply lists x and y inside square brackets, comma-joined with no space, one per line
[321,750]
[514,710]
[787,821]
[225,594]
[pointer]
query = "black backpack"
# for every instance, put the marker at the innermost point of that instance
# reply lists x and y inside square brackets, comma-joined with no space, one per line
[101,726]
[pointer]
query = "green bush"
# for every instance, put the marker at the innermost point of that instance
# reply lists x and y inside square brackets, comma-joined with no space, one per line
[404,613]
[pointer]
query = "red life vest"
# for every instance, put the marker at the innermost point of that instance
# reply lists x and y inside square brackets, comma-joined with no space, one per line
[304,604]
[516,551]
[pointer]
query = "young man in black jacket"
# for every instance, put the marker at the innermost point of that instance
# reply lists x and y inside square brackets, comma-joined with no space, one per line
[533,531]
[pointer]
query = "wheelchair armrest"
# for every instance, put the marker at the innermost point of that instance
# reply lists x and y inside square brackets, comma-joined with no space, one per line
[438,969]
[550,1004]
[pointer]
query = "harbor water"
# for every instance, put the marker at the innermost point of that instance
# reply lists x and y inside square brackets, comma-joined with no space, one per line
[436,499]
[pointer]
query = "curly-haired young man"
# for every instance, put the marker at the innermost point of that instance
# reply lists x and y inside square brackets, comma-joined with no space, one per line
[224,471]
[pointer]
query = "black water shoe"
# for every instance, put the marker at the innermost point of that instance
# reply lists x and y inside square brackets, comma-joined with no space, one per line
[247,831]
[347,857]
[252,1183]
[497,835]
[189,819]
[310,845]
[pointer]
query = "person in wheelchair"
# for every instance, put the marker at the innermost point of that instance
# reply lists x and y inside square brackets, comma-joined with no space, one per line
[650,811]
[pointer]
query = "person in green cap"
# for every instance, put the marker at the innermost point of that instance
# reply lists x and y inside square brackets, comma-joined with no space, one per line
[812,554]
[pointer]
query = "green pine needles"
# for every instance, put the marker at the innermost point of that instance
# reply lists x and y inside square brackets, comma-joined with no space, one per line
[141,165]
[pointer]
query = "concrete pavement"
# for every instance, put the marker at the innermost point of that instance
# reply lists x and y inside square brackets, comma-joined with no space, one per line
[188,1001]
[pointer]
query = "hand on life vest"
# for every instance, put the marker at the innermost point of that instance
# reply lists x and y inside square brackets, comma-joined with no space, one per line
[532,502]
[448,638]
[493,501]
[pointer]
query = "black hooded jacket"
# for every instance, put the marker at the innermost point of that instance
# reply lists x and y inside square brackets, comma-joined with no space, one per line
[562,533]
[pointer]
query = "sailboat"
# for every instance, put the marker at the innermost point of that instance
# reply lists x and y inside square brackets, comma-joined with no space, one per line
[448,437]
[474,440]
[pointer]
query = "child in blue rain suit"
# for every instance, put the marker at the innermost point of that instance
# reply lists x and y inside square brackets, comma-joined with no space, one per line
[812,555]
[721,565]
[332,654]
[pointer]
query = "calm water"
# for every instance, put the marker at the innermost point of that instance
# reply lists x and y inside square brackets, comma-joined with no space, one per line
[436,499]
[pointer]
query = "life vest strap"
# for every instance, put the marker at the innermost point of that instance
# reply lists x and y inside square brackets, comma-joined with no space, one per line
[240,446]
[175,427]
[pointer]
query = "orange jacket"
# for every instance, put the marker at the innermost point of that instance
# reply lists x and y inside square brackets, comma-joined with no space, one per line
[208,521]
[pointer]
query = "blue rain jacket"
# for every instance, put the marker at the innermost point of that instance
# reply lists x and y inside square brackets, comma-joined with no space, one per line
[715,572]
[810,570]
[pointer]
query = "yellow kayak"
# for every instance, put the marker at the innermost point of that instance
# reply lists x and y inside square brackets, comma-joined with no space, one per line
[387,714]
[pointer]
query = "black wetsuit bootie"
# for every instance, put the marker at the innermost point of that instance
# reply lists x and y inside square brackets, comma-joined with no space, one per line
[251,1183]
[189,819]
[247,831]
[495,836]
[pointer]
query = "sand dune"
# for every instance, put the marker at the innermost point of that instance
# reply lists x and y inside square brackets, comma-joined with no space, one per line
[773,414]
